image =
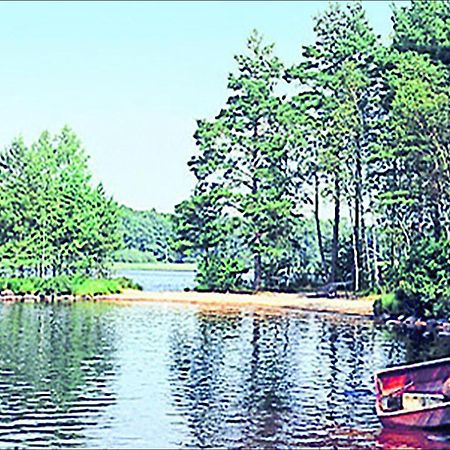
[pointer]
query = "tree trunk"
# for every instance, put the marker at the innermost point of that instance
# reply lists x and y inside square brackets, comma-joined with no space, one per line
[356,247]
[257,255]
[258,272]
[318,229]
[335,243]
[357,225]
[376,272]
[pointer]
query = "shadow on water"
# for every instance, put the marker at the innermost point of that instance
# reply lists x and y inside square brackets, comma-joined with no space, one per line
[55,366]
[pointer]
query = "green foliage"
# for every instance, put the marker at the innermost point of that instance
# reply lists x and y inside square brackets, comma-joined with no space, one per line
[366,131]
[338,79]
[240,215]
[133,255]
[53,222]
[424,283]
[148,236]
[388,303]
[424,27]
[221,274]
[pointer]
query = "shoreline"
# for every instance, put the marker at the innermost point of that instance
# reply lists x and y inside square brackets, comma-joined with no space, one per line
[263,300]
[156,267]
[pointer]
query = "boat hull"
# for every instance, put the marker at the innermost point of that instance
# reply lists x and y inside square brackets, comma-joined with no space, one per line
[436,417]
[421,394]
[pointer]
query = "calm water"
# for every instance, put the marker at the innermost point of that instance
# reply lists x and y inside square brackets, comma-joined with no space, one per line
[161,280]
[160,376]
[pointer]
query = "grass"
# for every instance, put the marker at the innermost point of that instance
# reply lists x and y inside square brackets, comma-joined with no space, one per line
[154,266]
[67,285]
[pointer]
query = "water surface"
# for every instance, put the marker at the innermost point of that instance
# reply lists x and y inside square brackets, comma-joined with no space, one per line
[176,376]
[161,280]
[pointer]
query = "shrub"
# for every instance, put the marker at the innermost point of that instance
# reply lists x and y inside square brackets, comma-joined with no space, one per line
[424,286]
[21,285]
[56,285]
[127,283]
[67,285]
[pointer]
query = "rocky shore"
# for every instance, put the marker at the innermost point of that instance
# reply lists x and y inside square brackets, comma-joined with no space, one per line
[428,328]
[7,296]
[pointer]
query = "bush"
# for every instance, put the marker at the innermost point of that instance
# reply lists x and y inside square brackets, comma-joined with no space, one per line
[220,274]
[127,283]
[424,286]
[21,285]
[56,285]
[67,285]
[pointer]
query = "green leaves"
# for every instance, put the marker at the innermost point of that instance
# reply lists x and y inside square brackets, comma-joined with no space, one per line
[240,212]
[424,27]
[148,236]
[54,221]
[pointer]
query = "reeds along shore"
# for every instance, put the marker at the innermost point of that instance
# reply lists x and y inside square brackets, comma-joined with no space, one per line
[8,296]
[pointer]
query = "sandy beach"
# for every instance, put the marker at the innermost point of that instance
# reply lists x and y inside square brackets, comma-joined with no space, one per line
[263,300]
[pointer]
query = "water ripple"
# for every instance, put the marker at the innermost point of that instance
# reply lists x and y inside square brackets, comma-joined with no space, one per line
[154,376]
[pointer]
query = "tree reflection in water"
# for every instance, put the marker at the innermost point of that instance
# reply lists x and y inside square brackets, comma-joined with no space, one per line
[55,369]
[200,379]
[250,380]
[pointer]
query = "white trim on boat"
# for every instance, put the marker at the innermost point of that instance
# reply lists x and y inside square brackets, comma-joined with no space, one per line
[413,366]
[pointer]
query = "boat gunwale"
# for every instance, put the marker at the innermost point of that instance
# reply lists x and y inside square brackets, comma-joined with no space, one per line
[412,366]
[403,412]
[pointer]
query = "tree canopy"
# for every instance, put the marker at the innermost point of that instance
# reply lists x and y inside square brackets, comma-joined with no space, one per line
[346,151]
[53,221]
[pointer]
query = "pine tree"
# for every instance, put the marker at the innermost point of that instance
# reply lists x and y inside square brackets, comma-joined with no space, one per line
[340,70]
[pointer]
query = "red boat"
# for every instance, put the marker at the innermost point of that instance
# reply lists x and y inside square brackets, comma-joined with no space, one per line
[415,395]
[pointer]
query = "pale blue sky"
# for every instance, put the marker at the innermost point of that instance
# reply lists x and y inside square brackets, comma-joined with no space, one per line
[132,78]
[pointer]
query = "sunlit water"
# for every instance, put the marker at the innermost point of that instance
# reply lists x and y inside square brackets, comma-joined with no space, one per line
[173,376]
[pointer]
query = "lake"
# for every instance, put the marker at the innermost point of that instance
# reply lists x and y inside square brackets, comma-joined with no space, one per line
[104,375]
[160,280]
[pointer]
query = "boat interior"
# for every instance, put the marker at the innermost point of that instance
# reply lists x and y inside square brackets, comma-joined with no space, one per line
[414,387]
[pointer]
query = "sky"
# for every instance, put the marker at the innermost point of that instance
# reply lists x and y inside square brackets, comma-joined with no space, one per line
[132,78]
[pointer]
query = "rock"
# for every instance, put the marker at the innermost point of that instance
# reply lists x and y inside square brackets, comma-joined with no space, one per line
[419,324]
[443,326]
[6,293]
[385,317]
[410,322]
[393,323]
[30,298]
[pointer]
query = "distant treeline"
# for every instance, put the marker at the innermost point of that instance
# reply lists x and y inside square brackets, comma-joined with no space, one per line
[148,236]
[356,126]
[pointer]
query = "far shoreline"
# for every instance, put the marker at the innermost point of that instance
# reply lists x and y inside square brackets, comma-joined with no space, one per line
[262,300]
[155,266]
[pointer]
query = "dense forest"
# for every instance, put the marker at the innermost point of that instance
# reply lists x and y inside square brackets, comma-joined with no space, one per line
[334,169]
